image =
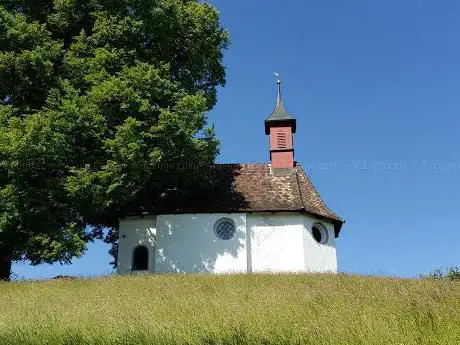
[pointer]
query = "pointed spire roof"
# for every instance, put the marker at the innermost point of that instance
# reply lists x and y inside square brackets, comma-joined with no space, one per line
[279,114]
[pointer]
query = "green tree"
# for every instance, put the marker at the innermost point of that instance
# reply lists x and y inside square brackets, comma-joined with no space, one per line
[101,104]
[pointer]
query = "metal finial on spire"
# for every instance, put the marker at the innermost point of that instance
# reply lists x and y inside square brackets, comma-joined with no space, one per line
[279,114]
[278,82]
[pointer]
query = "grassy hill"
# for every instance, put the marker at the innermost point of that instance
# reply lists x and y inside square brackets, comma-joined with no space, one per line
[240,309]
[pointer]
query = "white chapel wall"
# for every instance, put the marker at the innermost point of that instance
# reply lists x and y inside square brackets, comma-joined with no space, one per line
[272,242]
[276,242]
[321,258]
[187,243]
[283,242]
[134,232]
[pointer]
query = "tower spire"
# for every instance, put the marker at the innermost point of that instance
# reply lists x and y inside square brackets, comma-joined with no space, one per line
[279,114]
[281,126]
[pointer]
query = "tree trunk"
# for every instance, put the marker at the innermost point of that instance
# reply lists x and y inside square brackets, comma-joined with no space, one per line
[5,267]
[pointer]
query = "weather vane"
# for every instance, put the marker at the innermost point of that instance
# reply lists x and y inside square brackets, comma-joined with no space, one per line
[278,81]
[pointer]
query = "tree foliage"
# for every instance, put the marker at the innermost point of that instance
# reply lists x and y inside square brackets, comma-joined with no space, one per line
[100,102]
[452,273]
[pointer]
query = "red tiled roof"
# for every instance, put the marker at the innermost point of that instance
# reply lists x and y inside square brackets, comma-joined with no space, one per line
[256,188]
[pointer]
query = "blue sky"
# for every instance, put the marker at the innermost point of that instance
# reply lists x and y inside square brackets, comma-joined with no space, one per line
[375,88]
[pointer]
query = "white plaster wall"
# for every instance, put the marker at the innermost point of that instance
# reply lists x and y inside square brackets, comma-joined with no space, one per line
[134,232]
[187,243]
[276,242]
[283,242]
[319,258]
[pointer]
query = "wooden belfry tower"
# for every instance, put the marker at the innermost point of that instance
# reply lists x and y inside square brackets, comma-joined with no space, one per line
[281,126]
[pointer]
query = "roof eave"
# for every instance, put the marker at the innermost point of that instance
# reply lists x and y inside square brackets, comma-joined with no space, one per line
[337,223]
[268,123]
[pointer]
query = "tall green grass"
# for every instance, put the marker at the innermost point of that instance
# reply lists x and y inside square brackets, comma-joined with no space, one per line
[235,309]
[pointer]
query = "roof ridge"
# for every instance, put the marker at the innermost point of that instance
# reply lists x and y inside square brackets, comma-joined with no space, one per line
[318,195]
[302,202]
[233,164]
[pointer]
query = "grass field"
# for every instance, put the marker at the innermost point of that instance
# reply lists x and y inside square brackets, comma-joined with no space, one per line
[239,309]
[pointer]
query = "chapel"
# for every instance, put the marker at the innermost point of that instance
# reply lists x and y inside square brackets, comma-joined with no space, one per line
[265,217]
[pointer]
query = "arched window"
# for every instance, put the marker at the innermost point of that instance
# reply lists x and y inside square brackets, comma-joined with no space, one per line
[140,259]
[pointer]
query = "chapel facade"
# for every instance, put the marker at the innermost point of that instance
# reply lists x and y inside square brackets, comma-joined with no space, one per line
[264,217]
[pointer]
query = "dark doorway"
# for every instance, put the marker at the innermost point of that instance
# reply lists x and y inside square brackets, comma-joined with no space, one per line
[140,259]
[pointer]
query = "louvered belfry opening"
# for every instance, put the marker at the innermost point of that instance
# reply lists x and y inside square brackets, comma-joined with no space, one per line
[281,149]
[281,140]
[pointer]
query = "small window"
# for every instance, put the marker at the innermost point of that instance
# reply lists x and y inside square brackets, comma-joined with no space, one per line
[319,233]
[281,140]
[225,229]
[140,259]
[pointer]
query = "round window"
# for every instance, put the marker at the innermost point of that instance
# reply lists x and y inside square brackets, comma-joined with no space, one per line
[225,229]
[319,233]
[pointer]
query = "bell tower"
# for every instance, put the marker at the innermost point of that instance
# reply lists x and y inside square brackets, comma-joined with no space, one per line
[281,126]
